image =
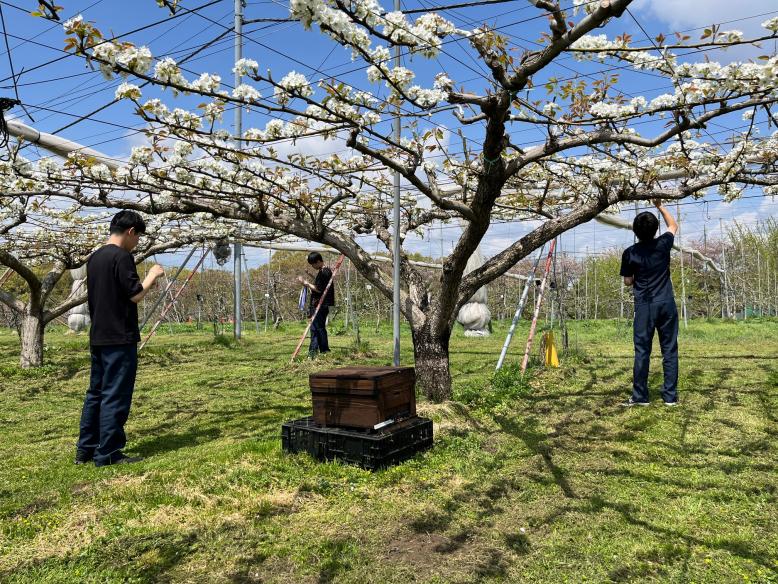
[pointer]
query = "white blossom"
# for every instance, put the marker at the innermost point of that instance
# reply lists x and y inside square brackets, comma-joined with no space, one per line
[771,24]
[246,93]
[206,83]
[128,91]
[292,84]
[245,67]
[167,71]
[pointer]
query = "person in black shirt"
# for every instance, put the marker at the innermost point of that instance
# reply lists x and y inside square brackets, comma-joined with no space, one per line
[114,290]
[319,341]
[646,267]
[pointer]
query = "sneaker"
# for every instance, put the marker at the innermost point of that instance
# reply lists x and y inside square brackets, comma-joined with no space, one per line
[631,402]
[671,404]
[122,460]
[82,456]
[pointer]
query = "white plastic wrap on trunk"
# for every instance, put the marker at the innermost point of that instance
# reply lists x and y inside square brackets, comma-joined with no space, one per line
[78,316]
[78,322]
[475,315]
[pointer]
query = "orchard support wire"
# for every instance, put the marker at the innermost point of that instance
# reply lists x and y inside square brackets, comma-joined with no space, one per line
[318,306]
[538,303]
[519,308]
[172,302]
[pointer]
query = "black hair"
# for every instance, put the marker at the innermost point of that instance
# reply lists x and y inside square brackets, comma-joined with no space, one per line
[314,257]
[645,226]
[125,220]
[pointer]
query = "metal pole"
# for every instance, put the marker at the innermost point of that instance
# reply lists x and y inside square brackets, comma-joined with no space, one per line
[759,280]
[269,288]
[167,290]
[725,305]
[348,294]
[683,278]
[172,302]
[396,242]
[519,308]
[744,272]
[237,250]
[586,283]
[251,294]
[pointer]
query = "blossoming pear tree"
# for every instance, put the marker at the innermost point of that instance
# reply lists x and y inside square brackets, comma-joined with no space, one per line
[601,146]
[42,238]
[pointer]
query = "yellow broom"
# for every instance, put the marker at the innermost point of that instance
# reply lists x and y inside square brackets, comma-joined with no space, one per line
[551,356]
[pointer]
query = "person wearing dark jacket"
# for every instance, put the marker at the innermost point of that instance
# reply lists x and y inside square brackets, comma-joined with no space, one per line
[114,290]
[646,267]
[319,341]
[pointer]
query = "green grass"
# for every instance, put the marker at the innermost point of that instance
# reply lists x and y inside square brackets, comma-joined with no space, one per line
[538,480]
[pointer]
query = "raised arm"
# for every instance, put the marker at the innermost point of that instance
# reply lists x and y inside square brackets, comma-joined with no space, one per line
[155,272]
[672,225]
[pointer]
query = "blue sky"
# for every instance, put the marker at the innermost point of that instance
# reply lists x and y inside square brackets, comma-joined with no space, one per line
[59,92]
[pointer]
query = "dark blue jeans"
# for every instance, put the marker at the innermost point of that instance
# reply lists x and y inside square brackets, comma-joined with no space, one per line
[319,341]
[662,317]
[107,402]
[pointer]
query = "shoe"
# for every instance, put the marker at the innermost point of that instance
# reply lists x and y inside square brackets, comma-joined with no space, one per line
[630,402]
[122,460]
[671,404]
[82,456]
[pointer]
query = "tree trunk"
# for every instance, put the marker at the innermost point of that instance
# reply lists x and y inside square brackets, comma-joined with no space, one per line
[432,365]
[31,337]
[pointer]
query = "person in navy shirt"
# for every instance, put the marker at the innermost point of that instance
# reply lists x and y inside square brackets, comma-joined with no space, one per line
[646,267]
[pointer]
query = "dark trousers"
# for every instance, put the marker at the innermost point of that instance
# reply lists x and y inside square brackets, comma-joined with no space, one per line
[319,341]
[107,402]
[662,317]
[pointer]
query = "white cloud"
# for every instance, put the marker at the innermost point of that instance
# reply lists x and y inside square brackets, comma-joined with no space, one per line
[682,15]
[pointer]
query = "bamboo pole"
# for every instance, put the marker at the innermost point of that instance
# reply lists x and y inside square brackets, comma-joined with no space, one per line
[538,303]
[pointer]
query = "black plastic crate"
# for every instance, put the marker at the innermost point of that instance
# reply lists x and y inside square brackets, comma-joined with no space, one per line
[371,450]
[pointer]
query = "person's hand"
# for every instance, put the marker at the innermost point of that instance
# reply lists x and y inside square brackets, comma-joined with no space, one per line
[657,203]
[156,271]
[301,279]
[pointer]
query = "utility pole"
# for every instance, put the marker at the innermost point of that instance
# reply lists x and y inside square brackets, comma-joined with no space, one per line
[269,287]
[586,283]
[758,294]
[705,269]
[596,292]
[683,275]
[238,248]
[745,274]
[725,301]
[348,294]
[396,241]
[251,293]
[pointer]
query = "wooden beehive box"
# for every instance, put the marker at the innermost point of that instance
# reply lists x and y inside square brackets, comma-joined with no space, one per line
[361,397]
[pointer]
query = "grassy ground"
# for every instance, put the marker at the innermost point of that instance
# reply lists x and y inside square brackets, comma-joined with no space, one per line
[545,481]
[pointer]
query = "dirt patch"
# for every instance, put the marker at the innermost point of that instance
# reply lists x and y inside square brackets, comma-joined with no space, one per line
[34,507]
[422,551]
